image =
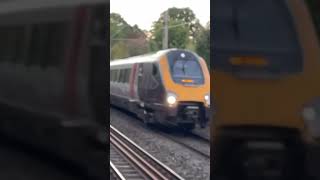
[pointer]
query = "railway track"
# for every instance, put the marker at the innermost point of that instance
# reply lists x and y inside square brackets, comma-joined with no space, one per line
[129,161]
[174,134]
[186,141]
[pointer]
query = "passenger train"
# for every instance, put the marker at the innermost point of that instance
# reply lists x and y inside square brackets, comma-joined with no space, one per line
[266,74]
[170,87]
[52,65]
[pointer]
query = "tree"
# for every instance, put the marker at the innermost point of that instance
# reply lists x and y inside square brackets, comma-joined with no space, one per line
[186,16]
[119,50]
[119,28]
[178,36]
[183,28]
[126,40]
[203,44]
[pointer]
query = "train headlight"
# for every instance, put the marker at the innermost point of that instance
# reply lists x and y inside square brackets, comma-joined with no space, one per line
[311,116]
[171,99]
[207,99]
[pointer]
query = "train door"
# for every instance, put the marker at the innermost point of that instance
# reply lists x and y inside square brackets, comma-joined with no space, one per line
[141,88]
[156,86]
[151,83]
[145,82]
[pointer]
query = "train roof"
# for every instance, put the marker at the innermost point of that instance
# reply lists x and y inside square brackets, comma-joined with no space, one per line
[152,57]
[16,6]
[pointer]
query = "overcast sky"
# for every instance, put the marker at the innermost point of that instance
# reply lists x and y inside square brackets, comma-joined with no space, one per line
[145,12]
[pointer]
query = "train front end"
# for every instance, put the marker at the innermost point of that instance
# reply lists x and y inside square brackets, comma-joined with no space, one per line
[187,89]
[266,68]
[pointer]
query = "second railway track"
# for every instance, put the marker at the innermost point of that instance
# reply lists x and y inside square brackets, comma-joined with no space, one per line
[129,161]
[190,140]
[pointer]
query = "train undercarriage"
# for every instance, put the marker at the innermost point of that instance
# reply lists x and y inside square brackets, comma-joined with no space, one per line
[185,115]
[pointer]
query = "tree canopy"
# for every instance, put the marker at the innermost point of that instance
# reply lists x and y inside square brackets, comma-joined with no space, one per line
[185,32]
[203,44]
[126,40]
[183,28]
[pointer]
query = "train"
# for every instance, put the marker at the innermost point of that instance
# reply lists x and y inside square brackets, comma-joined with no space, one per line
[169,87]
[52,65]
[265,76]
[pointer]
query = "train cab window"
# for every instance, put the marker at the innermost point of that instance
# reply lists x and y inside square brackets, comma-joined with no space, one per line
[314,8]
[185,68]
[255,39]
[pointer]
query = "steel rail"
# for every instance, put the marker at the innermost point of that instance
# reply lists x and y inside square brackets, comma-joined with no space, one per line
[143,161]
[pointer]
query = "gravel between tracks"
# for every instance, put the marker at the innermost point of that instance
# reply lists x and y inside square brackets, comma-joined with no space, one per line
[185,162]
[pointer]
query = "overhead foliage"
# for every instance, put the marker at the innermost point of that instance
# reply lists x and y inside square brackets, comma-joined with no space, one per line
[183,28]
[185,32]
[203,44]
[131,39]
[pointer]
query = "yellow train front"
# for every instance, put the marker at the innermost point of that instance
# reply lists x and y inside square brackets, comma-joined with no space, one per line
[265,84]
[169,87]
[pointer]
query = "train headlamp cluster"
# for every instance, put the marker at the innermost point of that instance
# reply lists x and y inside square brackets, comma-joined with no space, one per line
[311,116]
[207,99]
[171,98]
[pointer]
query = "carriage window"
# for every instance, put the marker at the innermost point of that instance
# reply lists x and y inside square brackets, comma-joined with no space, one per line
[128,75]
[125,72]
[121,75]
[114,75]
[117,75]
[47,44]
[125,76]
[314,7]
[11,43]
[111,75]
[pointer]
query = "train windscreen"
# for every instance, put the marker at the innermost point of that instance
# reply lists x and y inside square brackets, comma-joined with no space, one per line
[185,68]
[255,38]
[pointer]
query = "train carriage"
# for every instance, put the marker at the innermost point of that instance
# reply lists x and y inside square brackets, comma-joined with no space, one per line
[51,73]
[170,86]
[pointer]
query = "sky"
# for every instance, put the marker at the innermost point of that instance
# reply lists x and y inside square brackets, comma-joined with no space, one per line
[145,12]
